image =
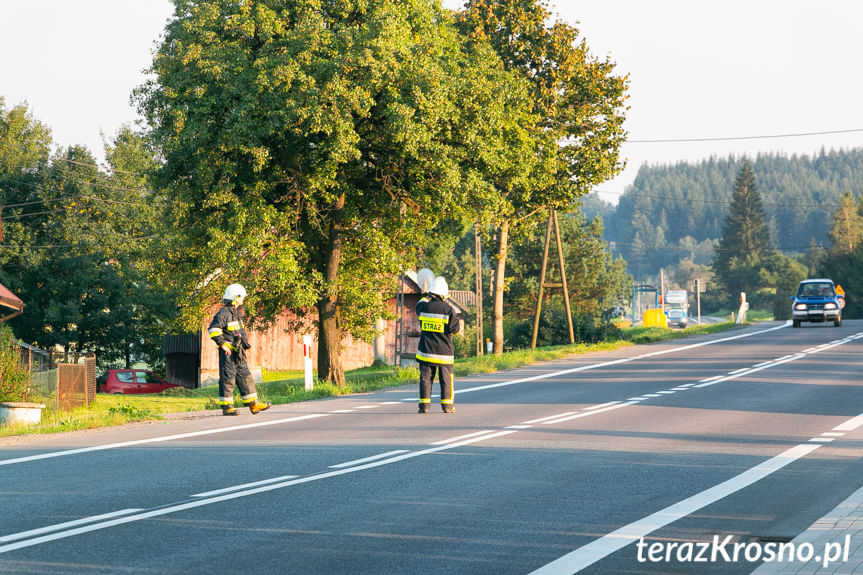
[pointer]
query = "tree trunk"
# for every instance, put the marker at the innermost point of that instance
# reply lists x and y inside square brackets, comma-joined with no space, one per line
[330,368]
[499,273]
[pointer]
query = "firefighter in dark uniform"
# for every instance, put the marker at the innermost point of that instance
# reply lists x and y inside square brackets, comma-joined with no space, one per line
[228,332]
[438,321]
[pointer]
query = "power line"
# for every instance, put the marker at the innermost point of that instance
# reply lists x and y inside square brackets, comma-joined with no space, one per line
[731,138]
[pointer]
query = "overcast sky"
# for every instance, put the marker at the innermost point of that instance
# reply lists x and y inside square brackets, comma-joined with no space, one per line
[715,71]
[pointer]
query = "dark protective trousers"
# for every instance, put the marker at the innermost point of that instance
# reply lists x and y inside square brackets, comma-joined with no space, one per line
[233,369]
[445,375]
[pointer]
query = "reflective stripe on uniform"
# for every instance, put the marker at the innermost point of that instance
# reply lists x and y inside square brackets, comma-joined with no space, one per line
[434,358]
[214,332]
[425,400]
[249,398]
[226,401]
[233,326]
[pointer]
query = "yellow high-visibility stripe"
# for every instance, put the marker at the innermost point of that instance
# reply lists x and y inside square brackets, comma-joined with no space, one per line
[433,358]
[215,332]
[233,326]
[451,392]
[425,400]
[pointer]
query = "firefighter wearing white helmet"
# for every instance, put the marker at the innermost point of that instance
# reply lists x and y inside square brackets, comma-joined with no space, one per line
[229,333]
[438,322]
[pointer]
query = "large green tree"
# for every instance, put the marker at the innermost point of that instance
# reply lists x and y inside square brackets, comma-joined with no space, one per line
[76,243]
[745,239]
[578,102]
[308,146]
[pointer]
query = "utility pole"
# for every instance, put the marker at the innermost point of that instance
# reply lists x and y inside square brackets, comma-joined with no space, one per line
[552,221]
[480,342]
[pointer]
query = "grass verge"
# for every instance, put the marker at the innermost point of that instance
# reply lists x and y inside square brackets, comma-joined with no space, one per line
[288,387]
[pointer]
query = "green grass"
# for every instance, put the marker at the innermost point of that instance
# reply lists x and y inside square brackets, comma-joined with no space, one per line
[288,386]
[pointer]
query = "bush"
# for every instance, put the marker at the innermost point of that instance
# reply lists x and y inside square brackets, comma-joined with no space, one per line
[14,380]
[553,330]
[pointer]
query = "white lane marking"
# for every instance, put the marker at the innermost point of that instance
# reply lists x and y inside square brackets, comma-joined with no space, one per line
[749,370]
[311,416]
[666,392]
[709,379]
[367,459]
[541,419]
[741,370]
[851,424]
[460,437]
[66,525]
[518,427]
[652,395]
[230,496]
[343,411]
[680,388]
[160,439]
[244,486]
[587,413]
[598,549]
[634,399]
[601,405]
[822,439]
[368,407]
[832,434]
[391,402]
[623,360]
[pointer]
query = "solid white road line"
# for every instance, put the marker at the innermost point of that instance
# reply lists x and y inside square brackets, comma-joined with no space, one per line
[367,459]
[159,439]
[244,486]
[312,416]
[604,546]
[66,525]
[166,510]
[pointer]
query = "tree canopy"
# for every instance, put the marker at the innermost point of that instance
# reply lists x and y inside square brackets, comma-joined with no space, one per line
[578,104]
[308,147]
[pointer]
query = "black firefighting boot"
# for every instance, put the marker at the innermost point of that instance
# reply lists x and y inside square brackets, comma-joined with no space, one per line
[257,406]
[448,408]
[230,411]
[424,408]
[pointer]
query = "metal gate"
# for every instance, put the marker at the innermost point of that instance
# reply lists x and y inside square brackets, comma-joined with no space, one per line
[76,384]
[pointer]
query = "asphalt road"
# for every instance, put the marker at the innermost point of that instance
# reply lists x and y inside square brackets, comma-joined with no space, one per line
[605,463]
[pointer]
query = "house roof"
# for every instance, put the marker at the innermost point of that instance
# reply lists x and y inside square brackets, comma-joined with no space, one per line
[10,300]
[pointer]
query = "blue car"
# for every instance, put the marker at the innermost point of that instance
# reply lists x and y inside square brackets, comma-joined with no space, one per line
[818,301]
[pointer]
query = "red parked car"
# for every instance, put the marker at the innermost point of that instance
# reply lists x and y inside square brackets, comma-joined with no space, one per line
[134,381]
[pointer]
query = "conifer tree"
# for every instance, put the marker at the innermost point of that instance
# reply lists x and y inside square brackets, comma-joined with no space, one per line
[745,238]
[847,229]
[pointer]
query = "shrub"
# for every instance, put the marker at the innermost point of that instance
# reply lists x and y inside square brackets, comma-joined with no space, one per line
[553,330]
[14,380]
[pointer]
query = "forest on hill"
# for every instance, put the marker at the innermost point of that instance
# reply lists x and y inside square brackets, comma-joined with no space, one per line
[673,215]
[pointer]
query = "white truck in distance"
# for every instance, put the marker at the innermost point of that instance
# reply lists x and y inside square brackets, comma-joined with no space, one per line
[677,307]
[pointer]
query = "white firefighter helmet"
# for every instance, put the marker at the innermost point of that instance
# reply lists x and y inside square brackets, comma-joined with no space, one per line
[425,279]
[439,287]
[234,291]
